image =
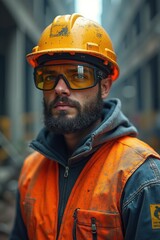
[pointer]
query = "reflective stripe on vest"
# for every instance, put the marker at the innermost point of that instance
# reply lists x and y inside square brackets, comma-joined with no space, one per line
[93,208]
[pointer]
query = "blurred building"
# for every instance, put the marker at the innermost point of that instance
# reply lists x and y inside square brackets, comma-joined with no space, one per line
[134,27]
[21,23]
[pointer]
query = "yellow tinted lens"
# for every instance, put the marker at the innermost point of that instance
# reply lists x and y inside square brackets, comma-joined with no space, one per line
[44,79]
[80,77]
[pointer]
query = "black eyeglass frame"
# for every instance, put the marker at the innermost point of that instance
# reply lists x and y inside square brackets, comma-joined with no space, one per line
[98,76]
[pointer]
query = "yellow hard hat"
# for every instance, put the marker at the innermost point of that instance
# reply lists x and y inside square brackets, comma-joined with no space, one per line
[75,35]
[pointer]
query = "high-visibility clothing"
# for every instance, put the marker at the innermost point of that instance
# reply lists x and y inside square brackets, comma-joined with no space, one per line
[93,208]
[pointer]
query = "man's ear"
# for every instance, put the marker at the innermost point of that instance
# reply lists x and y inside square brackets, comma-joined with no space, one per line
[105,87]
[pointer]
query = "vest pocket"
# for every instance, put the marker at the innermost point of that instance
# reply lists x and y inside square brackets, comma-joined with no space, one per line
[95,225]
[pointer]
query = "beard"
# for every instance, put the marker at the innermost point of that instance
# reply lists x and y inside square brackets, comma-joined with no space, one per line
[86,115]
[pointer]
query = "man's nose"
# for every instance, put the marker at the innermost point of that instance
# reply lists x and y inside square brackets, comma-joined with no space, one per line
[61,87]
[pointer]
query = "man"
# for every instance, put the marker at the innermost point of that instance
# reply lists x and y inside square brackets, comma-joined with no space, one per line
[89,176]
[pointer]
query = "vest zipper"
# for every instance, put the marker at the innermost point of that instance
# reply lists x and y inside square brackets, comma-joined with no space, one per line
[66,171]
[63,196]
[93,228]
[75,224]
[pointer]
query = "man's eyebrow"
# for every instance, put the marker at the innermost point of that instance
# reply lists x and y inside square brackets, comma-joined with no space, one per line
[84,70]
[71,70]
[49,71]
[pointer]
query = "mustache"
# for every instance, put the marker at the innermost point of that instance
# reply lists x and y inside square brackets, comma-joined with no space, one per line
[63,99]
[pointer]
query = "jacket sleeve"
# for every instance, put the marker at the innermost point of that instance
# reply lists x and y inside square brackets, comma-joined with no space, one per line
[140,203]
[19,231]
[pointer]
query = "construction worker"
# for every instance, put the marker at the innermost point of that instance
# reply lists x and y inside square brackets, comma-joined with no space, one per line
[89,176]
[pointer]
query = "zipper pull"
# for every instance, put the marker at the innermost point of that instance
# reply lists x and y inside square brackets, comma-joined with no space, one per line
[75,213]
[94,228]
[66,171]
[75,224]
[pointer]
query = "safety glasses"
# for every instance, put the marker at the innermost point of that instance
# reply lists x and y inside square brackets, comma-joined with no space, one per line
[76,76]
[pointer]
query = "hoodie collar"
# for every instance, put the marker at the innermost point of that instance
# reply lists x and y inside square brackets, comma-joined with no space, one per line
[114,125]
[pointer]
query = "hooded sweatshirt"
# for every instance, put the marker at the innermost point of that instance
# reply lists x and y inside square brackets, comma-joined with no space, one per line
[114,125]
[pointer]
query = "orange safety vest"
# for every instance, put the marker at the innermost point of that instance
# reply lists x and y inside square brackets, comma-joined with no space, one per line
[93,209]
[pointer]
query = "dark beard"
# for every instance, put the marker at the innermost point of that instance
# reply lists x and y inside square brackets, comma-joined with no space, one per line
[90,113]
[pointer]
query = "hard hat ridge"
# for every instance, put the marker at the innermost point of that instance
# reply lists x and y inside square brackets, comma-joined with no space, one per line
[74,34]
